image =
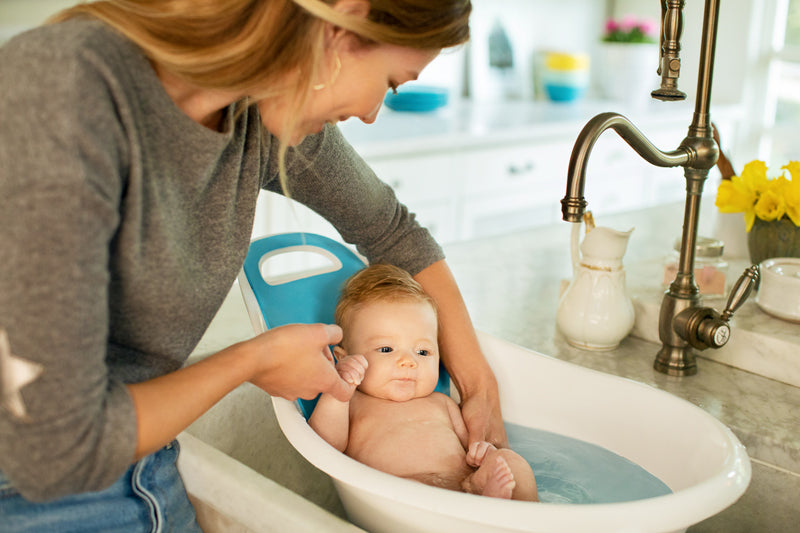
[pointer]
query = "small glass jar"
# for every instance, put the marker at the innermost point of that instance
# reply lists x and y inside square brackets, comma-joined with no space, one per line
[710,269]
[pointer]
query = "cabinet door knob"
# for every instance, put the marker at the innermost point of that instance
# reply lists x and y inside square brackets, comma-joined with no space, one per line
[516,170]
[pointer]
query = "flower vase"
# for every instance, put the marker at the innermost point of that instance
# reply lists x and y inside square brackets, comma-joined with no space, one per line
[776,238]
[627,72]
[730,228]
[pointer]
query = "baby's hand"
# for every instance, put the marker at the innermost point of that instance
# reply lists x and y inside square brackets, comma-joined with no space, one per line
[477,452]
[352,368]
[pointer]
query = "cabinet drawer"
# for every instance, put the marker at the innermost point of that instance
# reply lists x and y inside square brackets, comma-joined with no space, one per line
[419,179]
[440,217]
[522,166]
[500,213]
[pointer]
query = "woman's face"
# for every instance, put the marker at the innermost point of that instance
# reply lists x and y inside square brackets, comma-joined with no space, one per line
[356,90]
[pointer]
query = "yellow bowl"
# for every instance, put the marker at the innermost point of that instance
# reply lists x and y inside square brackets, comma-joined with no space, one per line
[566,61]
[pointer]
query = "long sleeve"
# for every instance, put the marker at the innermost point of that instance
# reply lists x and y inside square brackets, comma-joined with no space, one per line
[123,224]
[58,217]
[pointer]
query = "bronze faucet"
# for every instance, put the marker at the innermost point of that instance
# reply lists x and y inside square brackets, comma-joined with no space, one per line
[683,323]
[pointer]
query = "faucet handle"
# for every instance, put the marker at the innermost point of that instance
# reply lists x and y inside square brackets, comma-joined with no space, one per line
[741,290]
[703,327]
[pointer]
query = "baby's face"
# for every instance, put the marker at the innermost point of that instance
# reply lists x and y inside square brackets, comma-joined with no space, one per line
[399,340]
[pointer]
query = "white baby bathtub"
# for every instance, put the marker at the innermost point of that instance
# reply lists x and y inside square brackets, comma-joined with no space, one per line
[693,453]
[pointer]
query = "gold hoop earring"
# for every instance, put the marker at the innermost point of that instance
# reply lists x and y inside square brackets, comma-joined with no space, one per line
[337,67]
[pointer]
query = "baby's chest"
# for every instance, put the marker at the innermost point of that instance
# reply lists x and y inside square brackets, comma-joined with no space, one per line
[408,423]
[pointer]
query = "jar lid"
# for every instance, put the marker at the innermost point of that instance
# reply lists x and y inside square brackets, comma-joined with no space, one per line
[704,247]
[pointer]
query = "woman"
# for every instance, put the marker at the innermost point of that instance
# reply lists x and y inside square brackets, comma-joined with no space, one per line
[135,137]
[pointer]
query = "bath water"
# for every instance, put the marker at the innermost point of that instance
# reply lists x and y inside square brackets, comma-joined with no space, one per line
[568,470]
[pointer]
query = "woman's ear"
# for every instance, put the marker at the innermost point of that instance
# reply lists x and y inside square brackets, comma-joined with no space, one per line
[354,8]
[350,8]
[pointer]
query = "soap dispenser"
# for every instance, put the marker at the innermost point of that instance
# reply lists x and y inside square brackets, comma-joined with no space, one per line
[502,79]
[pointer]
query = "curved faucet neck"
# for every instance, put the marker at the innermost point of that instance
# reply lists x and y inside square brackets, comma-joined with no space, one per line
[574,204]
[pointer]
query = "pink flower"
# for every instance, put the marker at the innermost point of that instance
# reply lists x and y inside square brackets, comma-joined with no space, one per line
[628,23]
[611,26]
[630,29]
[648,27]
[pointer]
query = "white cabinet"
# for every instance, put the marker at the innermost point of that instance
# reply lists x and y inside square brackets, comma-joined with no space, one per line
[513,187]
[430,185]
[278,214]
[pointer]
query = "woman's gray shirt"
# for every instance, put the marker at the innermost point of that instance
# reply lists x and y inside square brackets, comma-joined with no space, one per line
[123,224]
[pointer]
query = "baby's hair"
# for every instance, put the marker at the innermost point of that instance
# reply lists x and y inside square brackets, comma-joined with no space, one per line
[378,283]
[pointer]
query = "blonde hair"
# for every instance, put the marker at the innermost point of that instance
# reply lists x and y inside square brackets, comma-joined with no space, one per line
[378,283]
[248,45]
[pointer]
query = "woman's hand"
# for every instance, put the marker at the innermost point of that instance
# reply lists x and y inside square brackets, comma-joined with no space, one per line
[290,361]
[295,361]
[481,413]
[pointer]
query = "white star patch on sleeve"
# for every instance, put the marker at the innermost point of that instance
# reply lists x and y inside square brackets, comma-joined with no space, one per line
[15,373]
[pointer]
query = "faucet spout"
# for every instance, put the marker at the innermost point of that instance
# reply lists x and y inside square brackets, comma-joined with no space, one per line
[670,67]
[574,204]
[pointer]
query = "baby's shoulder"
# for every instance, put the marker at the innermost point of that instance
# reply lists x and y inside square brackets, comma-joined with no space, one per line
[442,398]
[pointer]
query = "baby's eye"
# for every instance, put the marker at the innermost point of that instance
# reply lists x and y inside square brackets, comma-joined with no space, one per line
[385,349]
[423,352]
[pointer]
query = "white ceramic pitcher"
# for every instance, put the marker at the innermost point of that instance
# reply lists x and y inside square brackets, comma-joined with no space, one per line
[595,312]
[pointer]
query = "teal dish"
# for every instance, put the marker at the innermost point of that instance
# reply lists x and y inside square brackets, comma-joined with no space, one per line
[566,85]
[416,98]
[564,93]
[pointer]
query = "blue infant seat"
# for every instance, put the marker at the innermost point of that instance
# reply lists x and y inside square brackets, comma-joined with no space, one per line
[307,296]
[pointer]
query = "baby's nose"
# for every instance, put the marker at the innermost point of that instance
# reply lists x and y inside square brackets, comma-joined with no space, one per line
[406,361]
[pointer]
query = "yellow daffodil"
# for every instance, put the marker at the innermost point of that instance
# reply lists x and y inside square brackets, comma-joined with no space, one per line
[754,175]
[770,206]
[791,192]
[755,195]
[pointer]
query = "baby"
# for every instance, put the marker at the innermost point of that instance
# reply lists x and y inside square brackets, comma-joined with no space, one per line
[395,422]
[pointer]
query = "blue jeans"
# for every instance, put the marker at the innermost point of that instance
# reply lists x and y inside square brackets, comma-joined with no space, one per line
[149,497]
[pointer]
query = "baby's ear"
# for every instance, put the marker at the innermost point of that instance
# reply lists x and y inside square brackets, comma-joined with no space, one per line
[339,352]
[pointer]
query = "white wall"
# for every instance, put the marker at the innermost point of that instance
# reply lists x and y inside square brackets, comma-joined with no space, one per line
[18,15]
[737,24]
[533,26]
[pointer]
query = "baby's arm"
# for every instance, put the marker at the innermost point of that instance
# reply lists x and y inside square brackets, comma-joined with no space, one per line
[458,421]
[331,417]
[476,451]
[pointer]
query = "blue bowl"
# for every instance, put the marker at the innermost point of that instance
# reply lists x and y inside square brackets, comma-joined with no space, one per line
[564,93]
[416,98]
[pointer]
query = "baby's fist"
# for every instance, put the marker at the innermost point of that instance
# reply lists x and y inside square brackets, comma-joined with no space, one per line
[352,369]
[477,452]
